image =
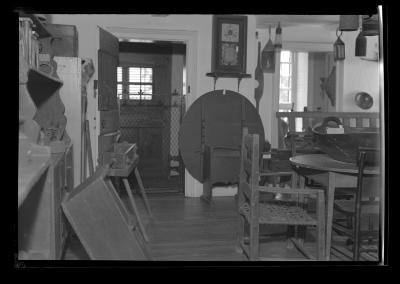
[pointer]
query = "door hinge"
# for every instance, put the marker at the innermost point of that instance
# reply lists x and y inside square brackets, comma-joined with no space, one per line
[188,89]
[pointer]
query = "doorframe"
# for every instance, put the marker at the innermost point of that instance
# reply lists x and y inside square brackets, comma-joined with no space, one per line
[190,38]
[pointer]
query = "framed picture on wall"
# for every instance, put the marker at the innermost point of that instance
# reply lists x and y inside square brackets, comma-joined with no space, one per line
[229,45]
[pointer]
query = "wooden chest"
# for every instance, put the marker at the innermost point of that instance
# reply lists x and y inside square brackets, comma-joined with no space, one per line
[120,155]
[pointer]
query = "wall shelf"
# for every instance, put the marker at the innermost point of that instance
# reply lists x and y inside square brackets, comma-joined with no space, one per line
[217,75]
[228,75]
[38,26]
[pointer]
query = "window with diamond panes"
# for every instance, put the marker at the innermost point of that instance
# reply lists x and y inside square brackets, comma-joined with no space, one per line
[136,82]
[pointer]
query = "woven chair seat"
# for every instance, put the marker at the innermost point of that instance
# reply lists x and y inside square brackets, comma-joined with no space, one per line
[281,212]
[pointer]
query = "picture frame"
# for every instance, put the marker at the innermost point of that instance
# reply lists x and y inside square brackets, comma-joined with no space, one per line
[229,45]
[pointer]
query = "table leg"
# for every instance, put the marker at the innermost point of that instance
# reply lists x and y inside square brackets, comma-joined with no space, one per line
[301,230]
[142,190]
[292,230]
[135,209]
[207,192]
[329,212]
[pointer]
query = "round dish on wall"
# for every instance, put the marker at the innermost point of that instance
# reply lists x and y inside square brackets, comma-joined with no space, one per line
[364,100]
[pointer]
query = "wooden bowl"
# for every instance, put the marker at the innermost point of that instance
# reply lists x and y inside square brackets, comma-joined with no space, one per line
[344,147]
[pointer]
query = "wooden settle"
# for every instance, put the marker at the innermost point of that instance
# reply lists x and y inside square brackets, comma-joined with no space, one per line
[309,119]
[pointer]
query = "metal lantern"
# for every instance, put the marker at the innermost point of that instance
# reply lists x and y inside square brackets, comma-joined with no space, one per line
[361,45]
[278,36]
[338,48]
[349,22]
[268,56]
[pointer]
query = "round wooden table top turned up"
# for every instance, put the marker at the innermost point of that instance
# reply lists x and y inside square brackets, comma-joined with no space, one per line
[323,162]
[216,119]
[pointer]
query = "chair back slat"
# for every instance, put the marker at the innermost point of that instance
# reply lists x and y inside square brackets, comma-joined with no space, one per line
[372,122]
[306,122]
[346,121]
[292,124]
[359,122]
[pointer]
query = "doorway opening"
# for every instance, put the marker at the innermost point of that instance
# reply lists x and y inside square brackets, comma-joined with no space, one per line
[151,89]
[302,76]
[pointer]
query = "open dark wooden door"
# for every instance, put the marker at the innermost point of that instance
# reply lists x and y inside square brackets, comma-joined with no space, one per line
[108,59]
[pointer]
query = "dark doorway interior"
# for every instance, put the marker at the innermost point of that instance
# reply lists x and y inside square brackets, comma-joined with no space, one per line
[151,108]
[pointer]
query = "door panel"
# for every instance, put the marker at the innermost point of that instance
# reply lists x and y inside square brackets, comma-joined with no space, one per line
[108,42]
[108,60]
[107,81]
[148,126]
[109,121]
[151,152]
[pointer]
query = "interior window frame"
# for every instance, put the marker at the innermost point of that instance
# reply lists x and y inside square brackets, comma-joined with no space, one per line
[126,83]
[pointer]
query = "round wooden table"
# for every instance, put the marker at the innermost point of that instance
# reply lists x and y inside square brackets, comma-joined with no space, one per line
[332,174]
[210,137]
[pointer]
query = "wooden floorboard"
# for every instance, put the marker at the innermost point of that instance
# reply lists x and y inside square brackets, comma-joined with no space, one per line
[187,229]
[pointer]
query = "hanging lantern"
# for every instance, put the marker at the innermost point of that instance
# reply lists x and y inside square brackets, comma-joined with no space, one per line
[361,45]
[268,56]
[278,36]
[349,22]
[338,48]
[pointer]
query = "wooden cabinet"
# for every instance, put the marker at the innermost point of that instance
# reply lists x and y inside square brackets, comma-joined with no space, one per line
[62,174]
[42,227]
[69,71]
[43,178]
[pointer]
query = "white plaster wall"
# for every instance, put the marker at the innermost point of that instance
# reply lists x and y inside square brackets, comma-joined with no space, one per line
[302,81]
[177,73]
[266,103]
[359,75]
[87,26]
[176,84]
[308,38]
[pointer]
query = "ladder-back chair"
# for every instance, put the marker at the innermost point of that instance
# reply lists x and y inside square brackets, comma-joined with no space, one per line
[365,206]
[254,213]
